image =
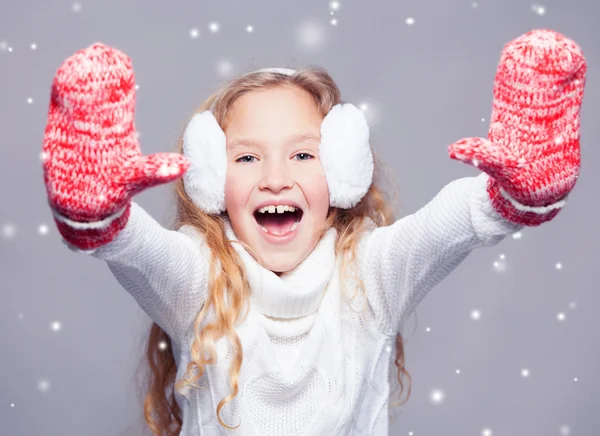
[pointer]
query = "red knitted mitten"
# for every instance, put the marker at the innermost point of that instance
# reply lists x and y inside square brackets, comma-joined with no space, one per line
[91,157]
[532,151]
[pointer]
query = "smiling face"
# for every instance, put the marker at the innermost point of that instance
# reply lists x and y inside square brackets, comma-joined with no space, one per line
[273,138]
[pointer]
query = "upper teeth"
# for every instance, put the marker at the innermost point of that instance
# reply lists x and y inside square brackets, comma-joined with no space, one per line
[278,209]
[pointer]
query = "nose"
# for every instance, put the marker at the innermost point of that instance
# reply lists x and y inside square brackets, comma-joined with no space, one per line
[275,177]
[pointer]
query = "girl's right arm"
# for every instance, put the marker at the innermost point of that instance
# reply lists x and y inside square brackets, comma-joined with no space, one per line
[165,271]
[93,166]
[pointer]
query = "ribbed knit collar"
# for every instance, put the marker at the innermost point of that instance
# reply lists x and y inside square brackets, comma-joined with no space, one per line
[295,293]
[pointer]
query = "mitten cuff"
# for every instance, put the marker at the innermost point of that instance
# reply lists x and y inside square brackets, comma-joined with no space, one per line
[86,237]
[519,213]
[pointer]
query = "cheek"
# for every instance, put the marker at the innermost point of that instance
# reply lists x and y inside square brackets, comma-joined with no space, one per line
[317,194]
[237,189]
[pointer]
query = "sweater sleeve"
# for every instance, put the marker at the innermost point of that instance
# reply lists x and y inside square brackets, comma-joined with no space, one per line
[165,271]
[404,261]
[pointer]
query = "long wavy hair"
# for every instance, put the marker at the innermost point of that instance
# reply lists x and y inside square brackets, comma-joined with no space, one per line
[161,411]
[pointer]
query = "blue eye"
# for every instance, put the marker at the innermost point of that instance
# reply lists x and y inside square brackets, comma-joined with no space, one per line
[245,161]
[309,156]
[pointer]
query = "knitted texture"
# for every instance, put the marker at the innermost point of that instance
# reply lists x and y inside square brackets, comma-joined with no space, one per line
[532,151]
[91,156]
[331,377]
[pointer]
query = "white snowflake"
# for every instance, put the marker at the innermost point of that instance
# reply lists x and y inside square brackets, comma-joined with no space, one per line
[224,68]
[437,396]
[538,9]
[44,385]
[310,35]
[9,230]
[565,430]
[500,265]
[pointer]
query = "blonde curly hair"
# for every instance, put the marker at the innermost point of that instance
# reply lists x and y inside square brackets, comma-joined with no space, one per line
[161,411]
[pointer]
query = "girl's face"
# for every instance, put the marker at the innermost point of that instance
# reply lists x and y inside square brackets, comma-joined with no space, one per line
[273,138]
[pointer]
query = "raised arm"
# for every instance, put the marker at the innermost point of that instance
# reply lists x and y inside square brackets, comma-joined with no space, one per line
[93,166]
[402,262]
[165,271]
[530,162]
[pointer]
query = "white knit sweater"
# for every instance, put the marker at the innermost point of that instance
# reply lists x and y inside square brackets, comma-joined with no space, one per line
[314,362]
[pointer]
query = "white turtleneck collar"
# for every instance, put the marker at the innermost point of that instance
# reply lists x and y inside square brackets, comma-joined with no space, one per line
[293,294]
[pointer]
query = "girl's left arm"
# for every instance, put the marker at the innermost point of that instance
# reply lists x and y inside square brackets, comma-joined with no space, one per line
[402,262]
[530,162]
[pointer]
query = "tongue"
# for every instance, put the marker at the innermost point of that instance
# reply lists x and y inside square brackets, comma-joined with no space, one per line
[277,223]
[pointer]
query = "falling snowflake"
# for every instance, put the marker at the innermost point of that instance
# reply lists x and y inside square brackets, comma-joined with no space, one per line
[224,68]
[561,316]
[310,35]
[538,9]
[517,235]
[486,432]
[214,27]
[410,21]
[475,314]
[334,5]
[44,385]
[8,230]
[194,33]
[249,29]
[33,46]
[525,373]
[437,396]
[76,7]
[500,265]
[334,21]
[565,430]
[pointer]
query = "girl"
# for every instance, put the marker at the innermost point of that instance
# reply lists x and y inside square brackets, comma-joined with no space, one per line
[280,227]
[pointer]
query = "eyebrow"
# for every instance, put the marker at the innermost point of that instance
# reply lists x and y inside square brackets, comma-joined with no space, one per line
[253,143]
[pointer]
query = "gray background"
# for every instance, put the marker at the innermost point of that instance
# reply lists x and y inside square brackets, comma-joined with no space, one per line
[425,84]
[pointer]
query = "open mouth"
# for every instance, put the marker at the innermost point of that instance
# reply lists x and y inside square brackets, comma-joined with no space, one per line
[278,220]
